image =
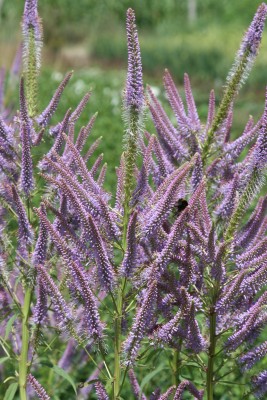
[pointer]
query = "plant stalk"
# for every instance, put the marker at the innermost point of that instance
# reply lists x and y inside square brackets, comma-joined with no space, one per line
[211,355]
[23,360]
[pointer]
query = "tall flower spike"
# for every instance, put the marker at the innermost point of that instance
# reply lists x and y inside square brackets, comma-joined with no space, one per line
[141,323]
[44,119]
[259,384]
[25,230]
[242,65]
[134,96]
[176,103]
[192,389]
[40,309]
[135,386]
[62,311]
[249,359]
[26,178]
[39,390]
[130,258]
[91,318]
[101,391]
[191,106]
[260,156]
[133,109]
[32,43]
[105,269]
[167,394]
[39,254]
[194,339]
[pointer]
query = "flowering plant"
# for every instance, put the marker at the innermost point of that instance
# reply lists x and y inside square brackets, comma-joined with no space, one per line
[170,275]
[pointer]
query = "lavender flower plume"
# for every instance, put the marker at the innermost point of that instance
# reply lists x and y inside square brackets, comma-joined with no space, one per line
[252,38]
[31,21]
[105,269]
[39,390]
[195,340]
[27,180]
[176,103]
[44,118]
[24,114]
[167,394]
[211,110]
[62,311]
[129,262]
[134,96]
[250,44]
[141,323]
[197,174]
[66,359]
[248,359]
[79,109]
[39,254]
[259,384]
[169,331]
[25,230]
[91,317]
[247,324]
[40,309]
[192,389]
[86,390]
[101,391]
[135,386]
[260,157]
[162,206]
[84,133]
[191,106]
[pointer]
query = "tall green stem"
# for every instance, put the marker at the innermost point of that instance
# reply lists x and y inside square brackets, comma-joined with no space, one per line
[23,361]
[130,160]
[211,354]
[228,97]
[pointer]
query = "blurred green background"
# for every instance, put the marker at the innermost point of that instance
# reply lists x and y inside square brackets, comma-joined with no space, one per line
[199,37]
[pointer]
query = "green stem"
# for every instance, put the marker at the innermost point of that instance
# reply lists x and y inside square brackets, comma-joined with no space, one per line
[23,360]
[228,97]
[175,367]
[211,355]
[129,180]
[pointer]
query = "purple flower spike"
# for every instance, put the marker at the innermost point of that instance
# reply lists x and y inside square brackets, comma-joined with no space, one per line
[40,309]
[62,311]
[261,144]
[130,257]
[27,181]
[141,324]
[191,106]
[101,391]
[135,386]
[39,254]
[25,230]
[259,384]
[134,93]
[195,341]
[252,38]
[105,269]
[31,21]
[44,119]
[249,47]
[167,394]
[249,359]
[192,389]
[39,390]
